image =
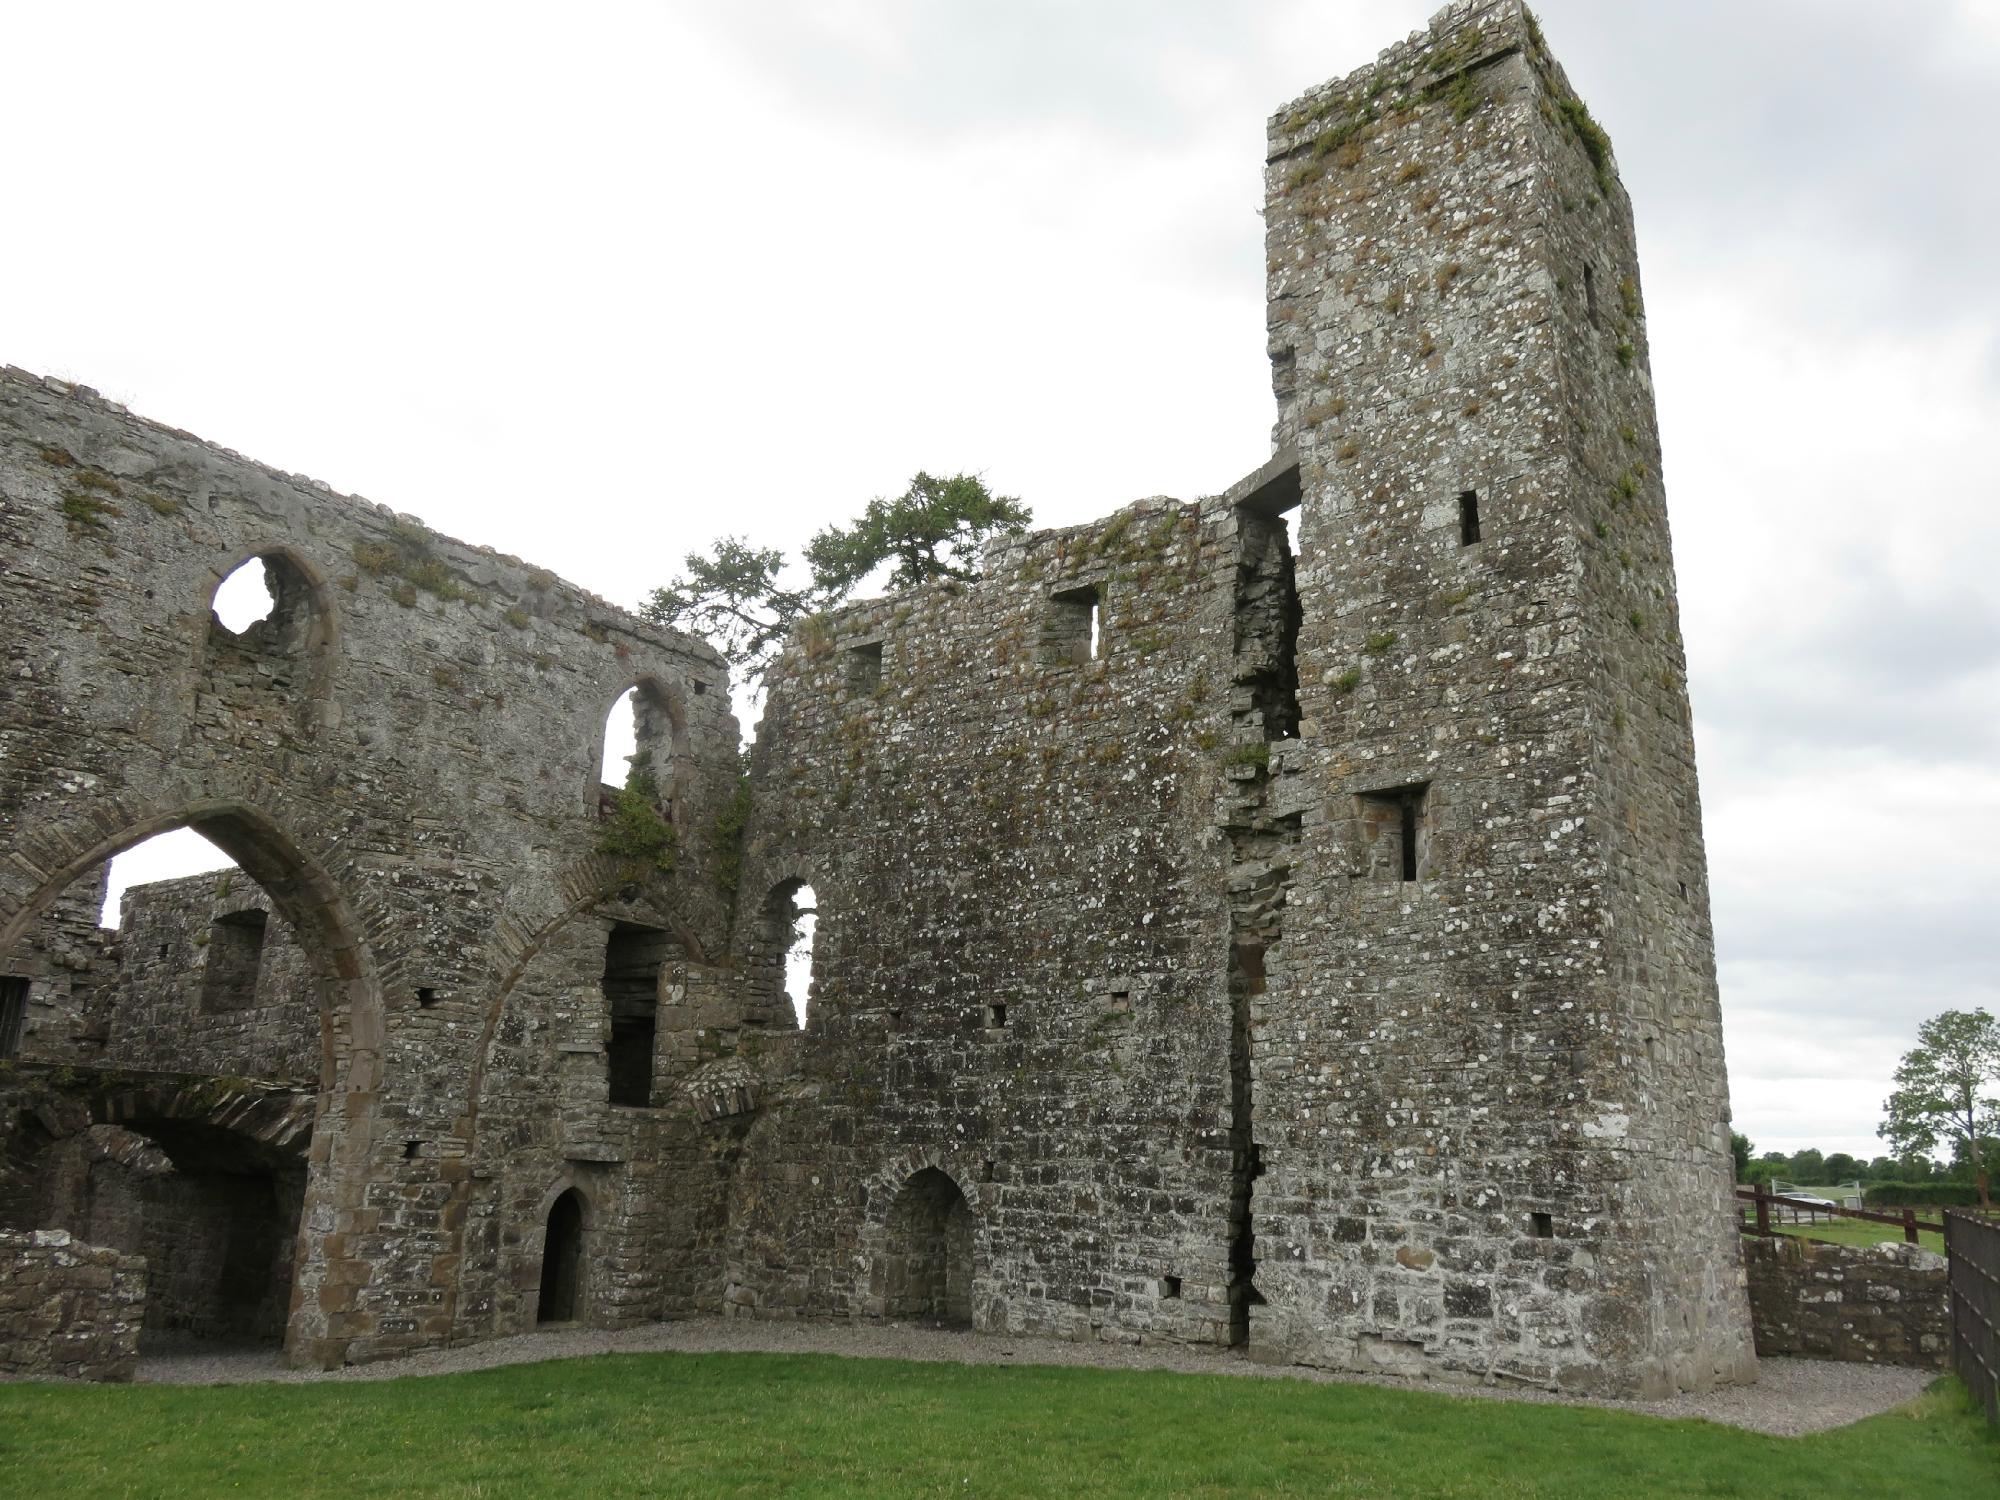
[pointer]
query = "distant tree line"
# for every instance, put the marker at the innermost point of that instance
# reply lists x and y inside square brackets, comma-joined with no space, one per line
[1813,1168]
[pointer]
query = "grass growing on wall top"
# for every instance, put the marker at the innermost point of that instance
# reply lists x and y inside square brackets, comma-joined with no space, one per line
[753,1424]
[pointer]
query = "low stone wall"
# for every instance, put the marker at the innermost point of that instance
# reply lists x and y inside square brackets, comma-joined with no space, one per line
[1874,1304]
[68,1310]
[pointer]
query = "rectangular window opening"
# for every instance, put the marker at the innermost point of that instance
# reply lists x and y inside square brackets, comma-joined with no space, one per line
[13,1013]
[1170,1288]
[996,1016]
[426,996]
[1468,517]
[1544,1226]
[633,959]
[1072,630]
[233,957]
[1395,832]
[412,1150]
[864,669]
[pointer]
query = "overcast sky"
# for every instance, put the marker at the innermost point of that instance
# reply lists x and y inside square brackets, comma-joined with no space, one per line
[593,283]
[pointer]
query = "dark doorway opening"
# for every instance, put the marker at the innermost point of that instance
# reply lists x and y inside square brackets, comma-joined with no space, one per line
[562,1260]
[928,1275]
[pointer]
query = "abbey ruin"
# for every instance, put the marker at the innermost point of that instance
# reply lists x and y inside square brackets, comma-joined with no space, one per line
[1276,920]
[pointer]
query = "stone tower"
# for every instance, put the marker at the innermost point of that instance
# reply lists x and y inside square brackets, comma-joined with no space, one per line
[1489,1098]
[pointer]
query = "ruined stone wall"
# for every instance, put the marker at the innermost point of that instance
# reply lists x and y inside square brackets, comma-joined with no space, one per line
[1019,965]
[59,973]
[404,756]
[1870,1304]
[184,998]
[68,1311]
[1277,920]
[1490,1094]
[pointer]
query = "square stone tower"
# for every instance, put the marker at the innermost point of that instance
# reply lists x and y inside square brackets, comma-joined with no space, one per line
[1490,1113]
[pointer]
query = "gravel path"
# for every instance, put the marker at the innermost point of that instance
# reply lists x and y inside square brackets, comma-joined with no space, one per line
[1791,1395]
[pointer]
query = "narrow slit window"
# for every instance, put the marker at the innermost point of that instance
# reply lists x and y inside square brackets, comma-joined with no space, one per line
[13,1013]
[996,1016]
[1468,517]
[1590,293]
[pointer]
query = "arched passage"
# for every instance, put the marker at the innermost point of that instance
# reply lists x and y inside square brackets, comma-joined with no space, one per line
[346,991]
[927,1255]
[562,1260]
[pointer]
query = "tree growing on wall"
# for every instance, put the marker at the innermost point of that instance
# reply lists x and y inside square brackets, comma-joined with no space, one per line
[733,597]
[932,530]
[1948,1088]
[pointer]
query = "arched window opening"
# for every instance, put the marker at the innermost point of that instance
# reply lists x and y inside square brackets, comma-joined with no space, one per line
[778,968]
[562,1260]
[245,597]
[645,749]
[621,739]
[927,1273]
[268,607]
[799,954]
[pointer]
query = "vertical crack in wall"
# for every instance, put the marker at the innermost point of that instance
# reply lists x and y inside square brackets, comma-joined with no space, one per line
[1265,707]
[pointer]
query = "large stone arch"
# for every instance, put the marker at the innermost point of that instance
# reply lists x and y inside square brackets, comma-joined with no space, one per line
[254,826]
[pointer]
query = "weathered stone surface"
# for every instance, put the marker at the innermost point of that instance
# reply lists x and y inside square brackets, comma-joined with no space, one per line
[1873,1304]
[68,1311]
[1276,919]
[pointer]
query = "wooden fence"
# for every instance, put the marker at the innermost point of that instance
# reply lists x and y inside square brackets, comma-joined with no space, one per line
[1770,1208]
[1973,1243]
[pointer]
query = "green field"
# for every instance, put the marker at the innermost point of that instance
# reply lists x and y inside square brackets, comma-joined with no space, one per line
[750,1424]
[1853,1231]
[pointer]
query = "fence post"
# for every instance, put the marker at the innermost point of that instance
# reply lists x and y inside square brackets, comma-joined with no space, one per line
[1763,1209]
[1909,1226]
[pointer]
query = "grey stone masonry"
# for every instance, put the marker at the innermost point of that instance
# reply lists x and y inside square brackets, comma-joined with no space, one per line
[1490,1093]
[1872,1304]
[405,758]
[1276,920]
[68,1311]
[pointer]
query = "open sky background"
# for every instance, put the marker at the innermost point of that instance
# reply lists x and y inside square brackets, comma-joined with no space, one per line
[596,283]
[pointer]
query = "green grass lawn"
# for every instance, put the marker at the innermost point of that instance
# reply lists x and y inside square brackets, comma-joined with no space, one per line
[755,1424]
[1859,1232]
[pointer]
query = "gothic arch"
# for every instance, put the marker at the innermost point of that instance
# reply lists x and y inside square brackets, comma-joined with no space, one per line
[923,1238]
[660,727]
